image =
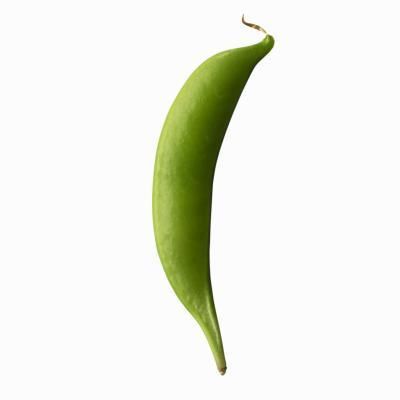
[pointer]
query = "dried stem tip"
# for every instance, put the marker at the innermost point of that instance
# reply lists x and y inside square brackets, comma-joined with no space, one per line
[258,27]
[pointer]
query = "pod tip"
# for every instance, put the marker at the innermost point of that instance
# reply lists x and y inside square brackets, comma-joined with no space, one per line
[222,370]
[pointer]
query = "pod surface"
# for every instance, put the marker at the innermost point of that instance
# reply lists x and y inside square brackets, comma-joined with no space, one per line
[183,178]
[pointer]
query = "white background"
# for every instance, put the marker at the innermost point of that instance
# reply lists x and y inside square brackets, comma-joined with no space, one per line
[306,214]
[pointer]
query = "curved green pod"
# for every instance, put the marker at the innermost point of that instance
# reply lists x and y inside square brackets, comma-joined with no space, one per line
[183,178]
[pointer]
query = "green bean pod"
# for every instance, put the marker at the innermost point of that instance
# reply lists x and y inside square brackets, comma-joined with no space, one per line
[183,178]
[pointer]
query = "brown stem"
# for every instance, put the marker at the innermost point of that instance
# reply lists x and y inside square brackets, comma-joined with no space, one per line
[258,27]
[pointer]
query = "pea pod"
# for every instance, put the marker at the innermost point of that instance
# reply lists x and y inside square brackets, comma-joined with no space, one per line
[183,178]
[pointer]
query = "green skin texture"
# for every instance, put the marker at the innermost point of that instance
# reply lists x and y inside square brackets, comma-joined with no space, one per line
[183,179]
